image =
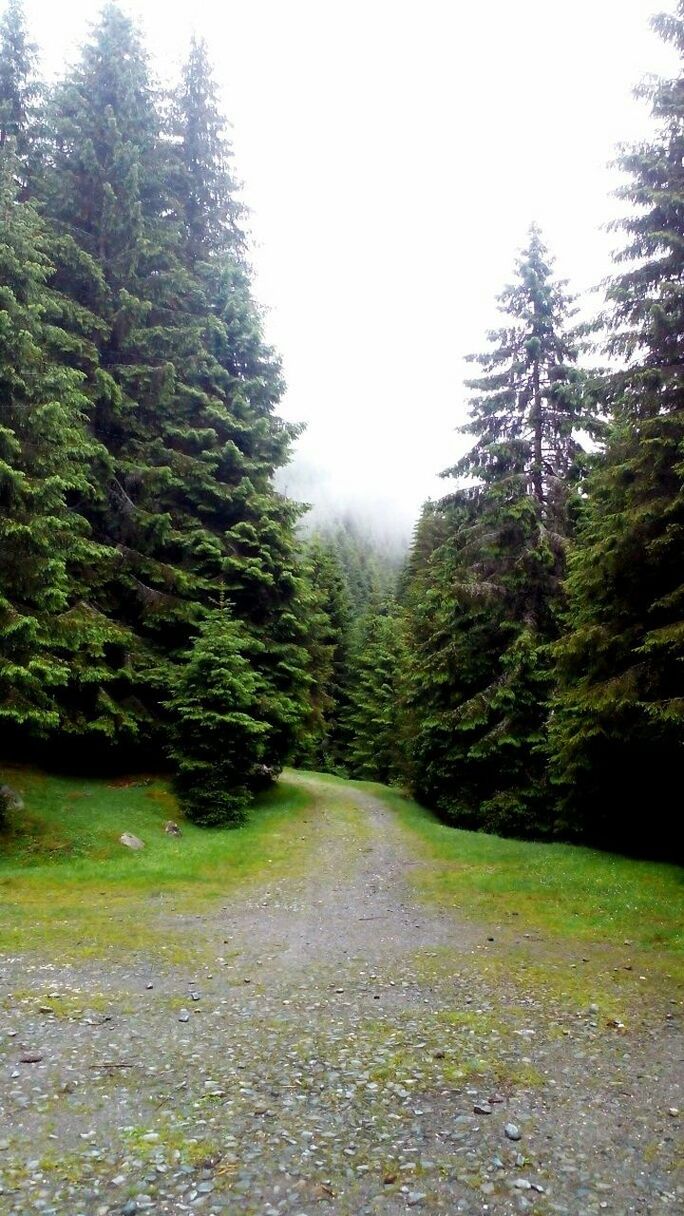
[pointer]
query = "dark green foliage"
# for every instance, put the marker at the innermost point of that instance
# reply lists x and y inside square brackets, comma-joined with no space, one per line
[327,613]
[219,732]
[373,720]
[185,395]
[483,582]
[139,434]
[618,725]
[57,650]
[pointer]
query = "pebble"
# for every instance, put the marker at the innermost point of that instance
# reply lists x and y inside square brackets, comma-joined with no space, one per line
[184,1016]
[482,1108]
[414,1198]
[512,1131]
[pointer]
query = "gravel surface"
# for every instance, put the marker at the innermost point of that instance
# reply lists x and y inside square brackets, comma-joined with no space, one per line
[340,1047]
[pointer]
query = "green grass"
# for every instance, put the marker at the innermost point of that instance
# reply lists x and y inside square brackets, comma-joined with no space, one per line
[67,885]
[561,889]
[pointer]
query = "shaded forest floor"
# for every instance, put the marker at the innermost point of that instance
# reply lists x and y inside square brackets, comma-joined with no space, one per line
[343,1007]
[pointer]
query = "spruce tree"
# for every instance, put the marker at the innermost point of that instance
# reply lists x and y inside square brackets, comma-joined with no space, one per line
[59,654]
[219,737]
[486,604]
[18,87]
[184,398]
[373,721]
[328,629]
[618,724]
[207,191]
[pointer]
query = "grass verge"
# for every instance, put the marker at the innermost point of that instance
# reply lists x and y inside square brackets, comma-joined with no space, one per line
[68,887]
[561,889]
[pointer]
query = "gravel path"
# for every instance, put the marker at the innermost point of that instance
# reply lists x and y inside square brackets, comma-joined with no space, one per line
[340,1047]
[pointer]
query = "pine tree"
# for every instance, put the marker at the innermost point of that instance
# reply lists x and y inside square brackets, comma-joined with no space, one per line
[184,399]
[373,721]
[370,561]
[219,726]
[618,726]
[328,627]
[207,191]
[18,88]
[486,605]
[58,653]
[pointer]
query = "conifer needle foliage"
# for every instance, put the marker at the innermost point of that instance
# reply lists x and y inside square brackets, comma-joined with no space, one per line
[523,673]
[618,726]
[138,433]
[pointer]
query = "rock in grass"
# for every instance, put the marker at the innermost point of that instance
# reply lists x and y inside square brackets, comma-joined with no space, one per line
[172,829]
[482,1108]
[131,841]
[183,1016]
[414,1198]
[11,799]
[512,1131]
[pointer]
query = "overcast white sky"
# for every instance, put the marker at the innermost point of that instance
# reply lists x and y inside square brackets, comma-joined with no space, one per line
[394,153]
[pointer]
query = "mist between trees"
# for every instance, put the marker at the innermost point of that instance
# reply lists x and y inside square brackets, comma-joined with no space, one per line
[164,603]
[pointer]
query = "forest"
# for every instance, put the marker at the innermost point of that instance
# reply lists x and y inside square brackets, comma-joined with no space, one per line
[165,607]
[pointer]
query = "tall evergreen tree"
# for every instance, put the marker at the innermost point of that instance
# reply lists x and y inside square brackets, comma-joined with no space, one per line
[618,725]
[487,601]
[185,393]
[219,735]
[60,665]
[373,720]
[207,191]
[18,87]
[328,631]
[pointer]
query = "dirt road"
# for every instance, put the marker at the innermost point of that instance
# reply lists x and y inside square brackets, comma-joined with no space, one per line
[338,1046]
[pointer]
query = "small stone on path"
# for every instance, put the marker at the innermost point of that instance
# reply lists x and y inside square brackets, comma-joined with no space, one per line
[512,1131]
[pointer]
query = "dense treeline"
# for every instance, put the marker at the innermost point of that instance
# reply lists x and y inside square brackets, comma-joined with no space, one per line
[541,681]
[159,601]
[140,531]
